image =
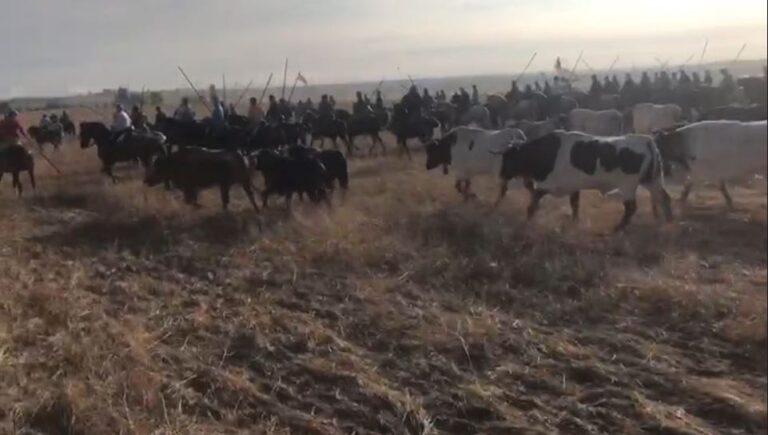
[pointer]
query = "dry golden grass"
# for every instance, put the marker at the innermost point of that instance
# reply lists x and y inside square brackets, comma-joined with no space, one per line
[401,310]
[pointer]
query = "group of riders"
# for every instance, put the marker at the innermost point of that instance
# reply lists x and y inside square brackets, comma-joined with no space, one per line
[410,108]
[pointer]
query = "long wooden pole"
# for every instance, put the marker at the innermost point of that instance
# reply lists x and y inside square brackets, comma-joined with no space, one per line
[613,64]
[528,65]
[242,94]
[703,52]
[202,100]
[573,71]
[738,55]
[285,78]
[264,92]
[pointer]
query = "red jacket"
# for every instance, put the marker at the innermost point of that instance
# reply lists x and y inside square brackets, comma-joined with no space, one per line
[10,129]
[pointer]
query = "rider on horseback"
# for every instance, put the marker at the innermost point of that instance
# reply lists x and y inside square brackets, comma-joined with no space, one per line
[361,108]
[273,113]
[379,100]
[412,104]
[184,112]
[427,99]
[121,124]
[255,114]
[10,129]
[325,109]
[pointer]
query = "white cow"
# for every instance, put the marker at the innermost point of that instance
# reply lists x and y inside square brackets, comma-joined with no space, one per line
[471,152]
[648,118]
[599,123]
[564,163]
[716,151]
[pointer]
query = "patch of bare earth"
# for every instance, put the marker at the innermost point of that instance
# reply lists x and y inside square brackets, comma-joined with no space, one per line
[402,310]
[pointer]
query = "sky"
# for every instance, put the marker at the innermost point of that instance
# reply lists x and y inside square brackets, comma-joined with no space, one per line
[73,46]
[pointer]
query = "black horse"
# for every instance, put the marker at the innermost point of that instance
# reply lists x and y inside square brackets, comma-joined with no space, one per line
[332,129]
[134,147]
[366,125]
[422,128]
[43,136]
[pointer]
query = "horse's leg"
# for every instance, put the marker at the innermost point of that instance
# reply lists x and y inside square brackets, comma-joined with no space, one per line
[405,148]
[378,139]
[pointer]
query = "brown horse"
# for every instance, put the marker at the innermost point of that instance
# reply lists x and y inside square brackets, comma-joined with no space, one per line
[15,158]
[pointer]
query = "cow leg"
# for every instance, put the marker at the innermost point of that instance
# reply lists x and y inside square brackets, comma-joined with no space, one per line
[224,188]
[726,195]
[659,195]
[575,196]
[686,191]
[502,192]
[381,143]
[265,197]
[630,207]
[536,196]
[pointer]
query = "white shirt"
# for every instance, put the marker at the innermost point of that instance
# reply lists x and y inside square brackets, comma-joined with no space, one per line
[121,121]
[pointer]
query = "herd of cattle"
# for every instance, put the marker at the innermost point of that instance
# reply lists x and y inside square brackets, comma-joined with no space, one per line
[583,149]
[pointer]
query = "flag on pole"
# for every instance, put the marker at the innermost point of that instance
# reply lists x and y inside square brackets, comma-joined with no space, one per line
[301,78]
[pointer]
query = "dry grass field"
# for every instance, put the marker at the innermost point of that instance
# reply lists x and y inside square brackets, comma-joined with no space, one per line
[400,311]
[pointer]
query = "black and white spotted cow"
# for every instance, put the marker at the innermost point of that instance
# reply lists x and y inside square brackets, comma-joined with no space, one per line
[564,163]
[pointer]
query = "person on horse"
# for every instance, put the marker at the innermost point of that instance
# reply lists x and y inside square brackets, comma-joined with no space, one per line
[514,91]
[361,108]
[367,100]
[64,119]
[708,78]
[527,92]
[255,113]
[273,112]
[137,118]
[332,101]
[727,84]
[607,86]
[184,112]
[160,116]
[309,105]
[547,88]
[696,79]
[44,122]
[325,109]
[427,99]
[629,84]
[218,117]
[596,88]
[412,104]
[286,113]
[379,100]
[11,130]
[645,82]
[232,111]
[685,79]
[55,125]
[465,101]
[475,96]
[121,124]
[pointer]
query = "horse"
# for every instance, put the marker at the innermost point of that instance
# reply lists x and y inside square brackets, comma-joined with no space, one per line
[421,128]
[43,136]
[69,128]
[365,124]
[15,158]
[327,128]
[136,147]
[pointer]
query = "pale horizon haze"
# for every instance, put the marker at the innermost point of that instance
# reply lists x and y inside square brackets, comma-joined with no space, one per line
[68,47]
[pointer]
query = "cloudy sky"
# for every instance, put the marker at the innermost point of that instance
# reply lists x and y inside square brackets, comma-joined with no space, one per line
[68,46]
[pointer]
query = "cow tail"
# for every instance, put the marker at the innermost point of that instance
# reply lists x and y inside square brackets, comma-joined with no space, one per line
[653,172]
